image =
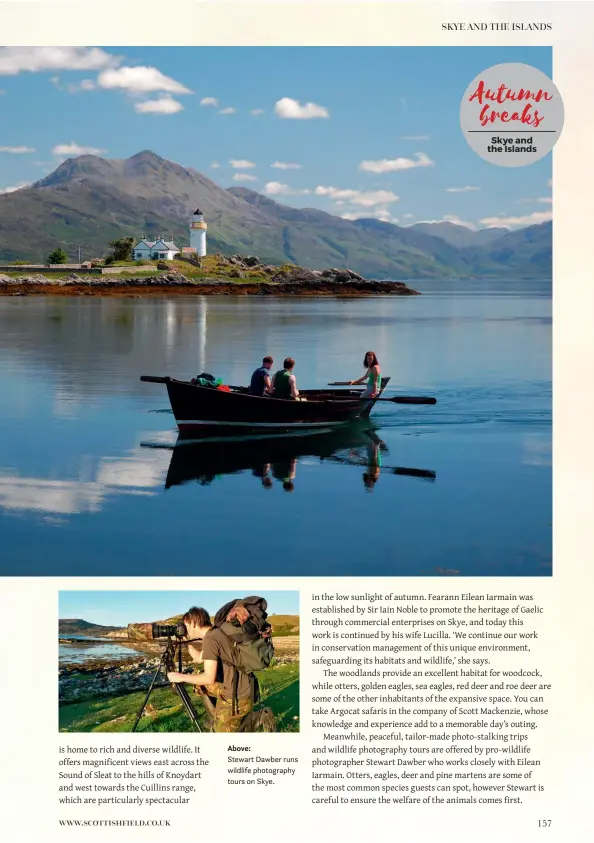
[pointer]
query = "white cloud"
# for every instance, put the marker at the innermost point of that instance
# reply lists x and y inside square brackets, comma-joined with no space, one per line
[408,216]
[542,200]
[466,189]
[215,165]
[382,214]
[282,165]
[289,109]
[83,85]
[227,110]
[140,80]
[517,222]
[414,137]
[336,192]
[14,60]
[241,164]
[209,101]
[256,112]
[163,105]
[244,177]
[17,150]
[68,149]
[366,199]
[374,197]
[12,189]
[391,165]
[275,188]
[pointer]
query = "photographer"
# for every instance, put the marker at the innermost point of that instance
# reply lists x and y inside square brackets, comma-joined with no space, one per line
[218,673]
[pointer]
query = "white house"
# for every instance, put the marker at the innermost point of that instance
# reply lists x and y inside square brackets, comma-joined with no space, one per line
[164,250]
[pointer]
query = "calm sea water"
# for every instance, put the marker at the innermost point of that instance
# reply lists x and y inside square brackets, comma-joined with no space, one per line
[89,650]
[90,483]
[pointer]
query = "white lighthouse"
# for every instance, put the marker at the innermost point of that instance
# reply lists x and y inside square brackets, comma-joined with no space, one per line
[198,233]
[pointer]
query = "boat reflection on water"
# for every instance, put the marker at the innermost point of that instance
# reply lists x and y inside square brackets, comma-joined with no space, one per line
[273,460]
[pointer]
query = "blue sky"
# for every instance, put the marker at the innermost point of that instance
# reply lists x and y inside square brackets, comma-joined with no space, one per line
[119,608]
[367,131]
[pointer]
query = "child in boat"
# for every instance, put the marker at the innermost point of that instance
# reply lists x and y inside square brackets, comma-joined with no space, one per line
[372,376]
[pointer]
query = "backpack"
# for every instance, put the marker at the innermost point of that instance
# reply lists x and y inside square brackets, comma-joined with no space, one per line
[245,623]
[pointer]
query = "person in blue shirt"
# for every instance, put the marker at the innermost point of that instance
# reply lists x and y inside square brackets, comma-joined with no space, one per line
[260,384]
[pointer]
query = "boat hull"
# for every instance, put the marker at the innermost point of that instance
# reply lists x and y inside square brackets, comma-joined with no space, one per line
[203,410]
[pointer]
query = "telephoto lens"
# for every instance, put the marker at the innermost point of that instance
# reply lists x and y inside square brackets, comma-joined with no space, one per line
[164,630]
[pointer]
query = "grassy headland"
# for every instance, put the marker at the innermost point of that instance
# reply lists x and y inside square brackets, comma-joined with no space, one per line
[216,275]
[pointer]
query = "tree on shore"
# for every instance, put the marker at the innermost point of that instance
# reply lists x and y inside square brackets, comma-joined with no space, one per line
[122,249]
[57,256]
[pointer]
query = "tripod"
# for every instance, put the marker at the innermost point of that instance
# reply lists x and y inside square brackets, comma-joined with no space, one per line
[168,662]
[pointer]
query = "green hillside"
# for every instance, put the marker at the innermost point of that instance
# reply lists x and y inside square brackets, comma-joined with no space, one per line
[77,626]
[89,201]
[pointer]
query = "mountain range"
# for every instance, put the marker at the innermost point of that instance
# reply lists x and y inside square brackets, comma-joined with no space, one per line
[89,201]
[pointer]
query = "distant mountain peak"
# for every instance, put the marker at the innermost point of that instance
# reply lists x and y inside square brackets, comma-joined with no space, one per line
[148,155]
[82,167]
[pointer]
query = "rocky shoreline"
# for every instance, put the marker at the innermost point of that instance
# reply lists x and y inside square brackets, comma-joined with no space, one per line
[277,282]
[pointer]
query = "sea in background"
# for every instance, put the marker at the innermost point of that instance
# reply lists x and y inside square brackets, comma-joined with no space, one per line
[86,448]
[87,649]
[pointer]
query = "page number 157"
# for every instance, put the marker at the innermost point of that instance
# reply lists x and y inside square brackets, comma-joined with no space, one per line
[544,823]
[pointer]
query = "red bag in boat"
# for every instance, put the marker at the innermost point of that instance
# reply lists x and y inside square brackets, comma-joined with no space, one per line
[224,388]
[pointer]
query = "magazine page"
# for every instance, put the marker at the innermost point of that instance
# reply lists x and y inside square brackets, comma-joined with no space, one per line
[286,547]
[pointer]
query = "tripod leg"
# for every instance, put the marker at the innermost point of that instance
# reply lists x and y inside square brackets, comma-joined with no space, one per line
[146,699]
[190,710]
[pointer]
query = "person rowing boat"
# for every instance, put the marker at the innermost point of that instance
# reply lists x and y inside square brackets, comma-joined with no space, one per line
[372,376]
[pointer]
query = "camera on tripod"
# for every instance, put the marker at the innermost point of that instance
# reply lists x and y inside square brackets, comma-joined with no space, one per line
[161,630]
[173,633]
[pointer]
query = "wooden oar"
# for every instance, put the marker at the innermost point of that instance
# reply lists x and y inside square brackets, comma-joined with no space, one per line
[398,399]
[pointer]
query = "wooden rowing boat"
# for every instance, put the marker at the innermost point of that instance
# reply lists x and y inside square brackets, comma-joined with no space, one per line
[205,410]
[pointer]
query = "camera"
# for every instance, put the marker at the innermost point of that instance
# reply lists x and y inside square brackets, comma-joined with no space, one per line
[169,630]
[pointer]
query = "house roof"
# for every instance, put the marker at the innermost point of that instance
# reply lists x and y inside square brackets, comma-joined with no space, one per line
[198,213]
[150,244]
